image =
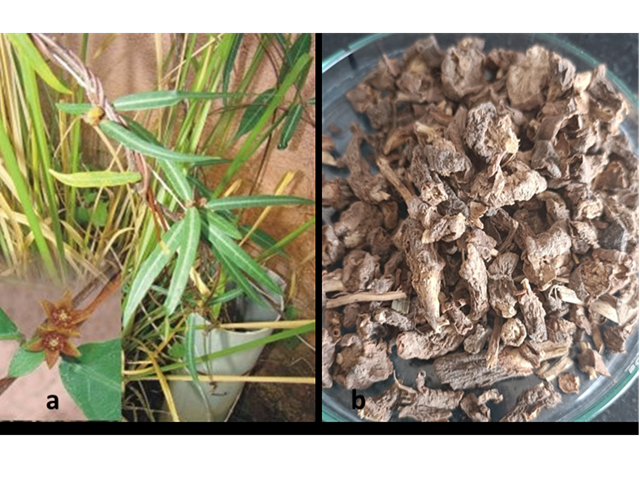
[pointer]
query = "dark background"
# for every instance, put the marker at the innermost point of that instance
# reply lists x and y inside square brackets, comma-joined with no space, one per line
[599,46]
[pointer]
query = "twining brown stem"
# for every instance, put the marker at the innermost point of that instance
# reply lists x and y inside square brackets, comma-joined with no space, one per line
[96,95]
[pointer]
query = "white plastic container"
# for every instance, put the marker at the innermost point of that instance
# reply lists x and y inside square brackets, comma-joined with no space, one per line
[190,403]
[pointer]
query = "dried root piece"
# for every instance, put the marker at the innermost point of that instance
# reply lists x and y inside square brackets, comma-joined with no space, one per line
[474,272]
[548,372]
[590,361]
[532,401]
[533,313]
[425,346]
[475,407]
[328,356]
[513,332]
[360,364]
[569,383]
[430,405]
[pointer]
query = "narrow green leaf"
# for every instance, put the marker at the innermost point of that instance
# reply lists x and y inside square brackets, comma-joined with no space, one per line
[174,174]
[8,329]
[301,46]
[25,362]
[93,380]
[164,98]
[238,257]
[253,113]
[262,239]
[313,101]
[150,269]
[231,61]
[74,108]
[237,275]
[288,238]
[96,179]
[29,52]
[186,257]
[229,203]
[290,125]
[134,142]
[222,224]
[190,345]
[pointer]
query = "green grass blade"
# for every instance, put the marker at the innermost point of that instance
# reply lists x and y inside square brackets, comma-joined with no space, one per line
[238,257]
[301,46]
[290,126]
[96,179]
[262,239]
[244,346]
[174,174]
[24,362]
[134,142]
[8,329]
[229,203]
[150,269]
[28,51]
[288,238]
[222,224]
[6,149]
[254,112]
[231,61]
[186,256]
[250,145]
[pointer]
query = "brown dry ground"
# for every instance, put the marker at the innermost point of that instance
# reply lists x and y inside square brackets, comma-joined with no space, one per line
[128,65]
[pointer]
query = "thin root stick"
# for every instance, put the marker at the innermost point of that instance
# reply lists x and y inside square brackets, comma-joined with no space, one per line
[364,297]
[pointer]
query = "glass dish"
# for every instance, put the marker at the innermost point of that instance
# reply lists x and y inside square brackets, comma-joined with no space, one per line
[342,72]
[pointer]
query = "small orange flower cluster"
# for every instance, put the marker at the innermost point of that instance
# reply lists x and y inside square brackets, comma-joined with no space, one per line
[53,335]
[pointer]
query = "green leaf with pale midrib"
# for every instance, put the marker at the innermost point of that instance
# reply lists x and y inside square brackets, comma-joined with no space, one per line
[190,345]
[176,178]
[96,179]
[238,257]
[186,256]
[290,125]
[93,380]
[134,142]
[253,113]
[150,269]
[222,224]
[229,203]
[25,362]
[8,329]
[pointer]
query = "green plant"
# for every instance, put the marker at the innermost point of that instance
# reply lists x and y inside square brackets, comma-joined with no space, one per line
[155,212]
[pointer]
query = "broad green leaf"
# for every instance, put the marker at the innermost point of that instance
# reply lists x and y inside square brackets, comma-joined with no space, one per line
[134,142]
[190,345]
[186,256]
[231,60]
[177,350]
[290,125]
[97,216]
[93,380]
[8,329]
[29,52]
[25,362]
[150,269]
[96,179]
[222,224]
[174,174]
[229,203]
[253,113]
[234,254]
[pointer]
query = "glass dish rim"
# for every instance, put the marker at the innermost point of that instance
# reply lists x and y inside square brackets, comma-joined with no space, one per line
[632,373]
